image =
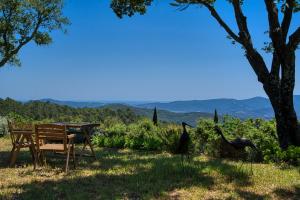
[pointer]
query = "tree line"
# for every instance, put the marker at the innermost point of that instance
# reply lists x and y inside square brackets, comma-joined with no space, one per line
[41,111]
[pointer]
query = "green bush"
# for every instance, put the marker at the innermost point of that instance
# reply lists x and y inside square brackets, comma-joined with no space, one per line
[143,135]
[204,138]
[260,132]
[114,136]
[171,134]
[291,155]
[3,126]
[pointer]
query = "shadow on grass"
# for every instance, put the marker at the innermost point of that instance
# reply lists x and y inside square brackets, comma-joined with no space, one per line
[293,194]
[247,195]
[133,175]
[23,159]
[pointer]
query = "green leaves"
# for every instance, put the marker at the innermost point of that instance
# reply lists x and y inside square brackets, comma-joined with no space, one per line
[42,38]
[129,7]
[22,21]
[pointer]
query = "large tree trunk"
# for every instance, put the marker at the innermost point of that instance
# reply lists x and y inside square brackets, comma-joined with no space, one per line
[286,121]
[280,91]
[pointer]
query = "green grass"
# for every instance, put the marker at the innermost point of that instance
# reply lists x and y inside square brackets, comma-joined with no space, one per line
[126,174]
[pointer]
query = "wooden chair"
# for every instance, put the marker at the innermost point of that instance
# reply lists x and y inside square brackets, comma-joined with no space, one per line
[50,137]
[21,137]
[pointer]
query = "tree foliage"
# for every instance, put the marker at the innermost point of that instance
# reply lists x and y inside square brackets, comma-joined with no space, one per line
[22,21]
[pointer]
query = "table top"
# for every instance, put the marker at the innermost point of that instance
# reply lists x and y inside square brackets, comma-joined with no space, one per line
[78,125]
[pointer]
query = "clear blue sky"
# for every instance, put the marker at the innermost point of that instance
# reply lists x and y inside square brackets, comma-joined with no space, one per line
[163,55]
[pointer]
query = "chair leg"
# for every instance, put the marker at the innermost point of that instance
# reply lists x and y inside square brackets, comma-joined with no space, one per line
[82,150]
[74,161]
[44,162]
[67,161]
[11,153]
[32,153]
[14,157]
[36,159]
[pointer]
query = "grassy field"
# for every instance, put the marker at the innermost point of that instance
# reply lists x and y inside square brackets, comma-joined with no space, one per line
[125,174]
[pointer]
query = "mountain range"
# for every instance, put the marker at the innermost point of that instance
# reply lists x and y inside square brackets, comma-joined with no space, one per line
[257,107]
[163,115]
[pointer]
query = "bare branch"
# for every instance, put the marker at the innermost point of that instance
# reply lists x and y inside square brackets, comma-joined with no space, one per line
[288,13]
[275,29]
[242,25]
[215,14]
[294,40]
[255,59]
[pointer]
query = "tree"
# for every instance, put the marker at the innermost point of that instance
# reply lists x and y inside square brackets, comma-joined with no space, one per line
[22,21]
[154,119]
[216,118]
[279,81]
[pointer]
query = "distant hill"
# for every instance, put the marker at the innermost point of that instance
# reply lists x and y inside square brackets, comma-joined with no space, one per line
[163,115]
[75,104]
[68,111]
[257,107]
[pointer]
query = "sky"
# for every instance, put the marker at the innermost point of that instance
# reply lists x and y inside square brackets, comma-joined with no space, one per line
[164,55]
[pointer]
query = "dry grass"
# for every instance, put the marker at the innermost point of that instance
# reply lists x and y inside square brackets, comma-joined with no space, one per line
[125,174]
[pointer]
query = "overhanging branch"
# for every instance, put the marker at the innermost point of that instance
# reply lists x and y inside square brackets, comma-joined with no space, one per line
[255,59]
[215,14]
[294,40]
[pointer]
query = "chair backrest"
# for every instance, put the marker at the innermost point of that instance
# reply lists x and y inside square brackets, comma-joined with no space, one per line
[16,129]
[11,133]
[50,132]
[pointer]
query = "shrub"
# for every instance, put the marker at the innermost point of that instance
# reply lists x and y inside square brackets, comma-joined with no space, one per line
[3,126]
[204,138]
[114,136]
[170,135]
[144,135]
[291,155]
[261,132]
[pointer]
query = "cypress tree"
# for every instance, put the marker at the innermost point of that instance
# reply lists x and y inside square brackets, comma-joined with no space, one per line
[154,119]
[216,118]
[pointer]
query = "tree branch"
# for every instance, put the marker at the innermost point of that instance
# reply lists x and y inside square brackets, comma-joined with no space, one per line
[287,18]
[294,40]
[275,31]
[255,59]
[242,24]
[215,14]
[9,55]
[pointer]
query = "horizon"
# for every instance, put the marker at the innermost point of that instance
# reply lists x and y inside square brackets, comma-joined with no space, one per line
[136,101]
[164,55]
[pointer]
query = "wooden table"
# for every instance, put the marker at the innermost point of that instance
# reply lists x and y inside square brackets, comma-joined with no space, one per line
[86,129]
